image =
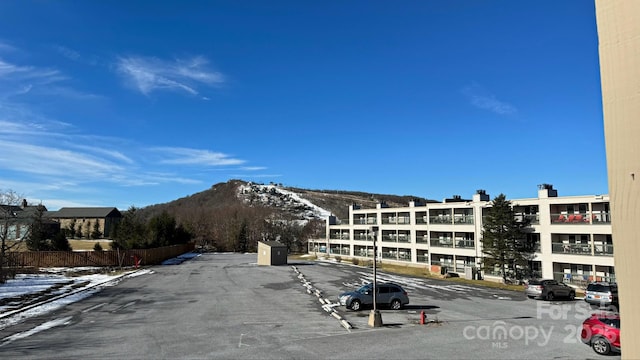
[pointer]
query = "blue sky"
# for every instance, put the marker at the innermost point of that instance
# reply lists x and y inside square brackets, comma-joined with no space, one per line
[121,103]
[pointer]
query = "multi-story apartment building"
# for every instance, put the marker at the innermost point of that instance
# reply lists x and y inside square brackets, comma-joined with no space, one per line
[573,234]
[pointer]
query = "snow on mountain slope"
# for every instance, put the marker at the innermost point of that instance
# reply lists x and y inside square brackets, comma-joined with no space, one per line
[275,196]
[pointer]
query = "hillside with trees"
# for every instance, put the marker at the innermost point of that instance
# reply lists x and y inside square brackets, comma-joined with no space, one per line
[235,215]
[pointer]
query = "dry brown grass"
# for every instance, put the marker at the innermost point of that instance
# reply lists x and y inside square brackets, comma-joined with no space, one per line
[84,245]
[76,245]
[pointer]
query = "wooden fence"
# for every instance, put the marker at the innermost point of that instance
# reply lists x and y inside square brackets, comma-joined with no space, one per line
[40,259]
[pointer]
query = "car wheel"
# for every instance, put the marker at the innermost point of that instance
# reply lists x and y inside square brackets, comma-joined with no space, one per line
[572,295]
[355,305]
[530,297]
[396,304]
[550,296]
[601,345]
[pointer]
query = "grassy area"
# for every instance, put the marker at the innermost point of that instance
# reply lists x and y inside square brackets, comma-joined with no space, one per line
[76,245]
[84,245]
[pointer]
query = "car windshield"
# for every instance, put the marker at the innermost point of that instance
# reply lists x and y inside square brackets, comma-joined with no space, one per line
[598,288]
[364,289]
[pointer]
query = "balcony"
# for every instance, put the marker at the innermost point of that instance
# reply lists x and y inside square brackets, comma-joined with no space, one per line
[533,219]
[339,237]
[582,218]
[440,219]
[421,219]
[601,217]
[401,220]
[465,244]
[442,243]
[363,237]
[571,248]
[366,221]
[423,258]
[422,240]
[581,280]
[463,219]
[393,255]
[603,249]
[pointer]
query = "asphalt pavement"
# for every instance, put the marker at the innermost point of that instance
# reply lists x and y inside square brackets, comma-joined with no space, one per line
[225,306]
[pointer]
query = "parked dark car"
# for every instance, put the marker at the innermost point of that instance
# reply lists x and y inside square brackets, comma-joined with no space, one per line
[549,289]
[602,294]
[601,331]
[388,294]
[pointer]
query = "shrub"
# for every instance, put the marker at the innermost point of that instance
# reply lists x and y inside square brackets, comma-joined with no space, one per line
[97,247]
[355,261]
[338,258]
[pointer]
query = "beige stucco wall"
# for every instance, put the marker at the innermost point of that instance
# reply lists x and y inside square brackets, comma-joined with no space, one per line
[618,24]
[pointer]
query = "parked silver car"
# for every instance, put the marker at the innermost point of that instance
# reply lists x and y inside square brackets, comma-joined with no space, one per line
[549,289]
[388,294]
[602,294]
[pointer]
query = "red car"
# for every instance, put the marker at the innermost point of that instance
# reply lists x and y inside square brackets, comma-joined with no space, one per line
[602,332]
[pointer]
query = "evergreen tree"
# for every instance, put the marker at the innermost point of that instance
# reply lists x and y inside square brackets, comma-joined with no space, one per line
[504,242]
[60,242]
[71,230]
[37,240]
[130,231]
[96,234]
[97,247]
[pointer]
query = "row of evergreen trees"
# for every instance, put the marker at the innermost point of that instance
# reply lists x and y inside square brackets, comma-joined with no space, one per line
[135,232]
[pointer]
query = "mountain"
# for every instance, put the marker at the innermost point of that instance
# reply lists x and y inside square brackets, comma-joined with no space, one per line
[303,204]
[236,215]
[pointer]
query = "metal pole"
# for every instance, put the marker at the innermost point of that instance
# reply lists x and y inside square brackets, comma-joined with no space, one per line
[375,318]
[375,284]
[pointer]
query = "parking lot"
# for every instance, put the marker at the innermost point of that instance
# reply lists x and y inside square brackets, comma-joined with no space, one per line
[226,306]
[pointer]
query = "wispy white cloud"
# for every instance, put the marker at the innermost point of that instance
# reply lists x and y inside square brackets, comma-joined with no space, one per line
[253,168]
[152,74]
[42,75]
[68,53]
[4,47]
[482,99]
[186,156]
[46,160]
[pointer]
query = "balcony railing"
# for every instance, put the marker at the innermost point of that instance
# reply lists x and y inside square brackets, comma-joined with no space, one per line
[396,256]
[601,218]
[421,219]
[369,220]
[423,258]
[463,219]
[441,242]
[401,220]
[570,248]
[363,237]
[396,238]
[339,237]
[422,239]
[465,243]
[582,218]
[440,219]
[603,249]
[533,219]
[448,264]
[581,280]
